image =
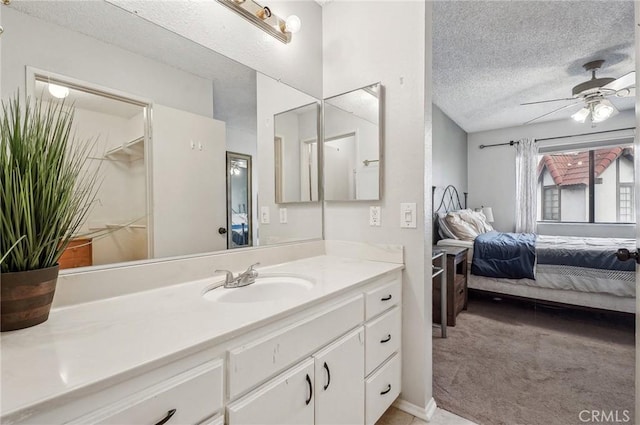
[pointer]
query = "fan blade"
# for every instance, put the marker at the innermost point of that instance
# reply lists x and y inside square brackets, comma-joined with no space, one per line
[547,101]
[554,111]
[628,80]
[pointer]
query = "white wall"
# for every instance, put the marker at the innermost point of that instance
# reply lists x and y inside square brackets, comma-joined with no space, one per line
[491,177]
[387,44]
[304,220]
[212,25]
[449,155]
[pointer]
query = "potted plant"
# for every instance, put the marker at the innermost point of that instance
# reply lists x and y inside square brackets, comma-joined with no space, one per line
[46,191]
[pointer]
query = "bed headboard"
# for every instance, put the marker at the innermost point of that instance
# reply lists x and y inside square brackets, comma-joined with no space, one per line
[450,201]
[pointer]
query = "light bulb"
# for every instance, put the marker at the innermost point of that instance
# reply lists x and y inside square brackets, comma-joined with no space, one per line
[292,24]
[581,115]
[58,91]
[601,112]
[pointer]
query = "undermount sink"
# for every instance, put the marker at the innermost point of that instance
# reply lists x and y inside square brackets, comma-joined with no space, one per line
[267,287]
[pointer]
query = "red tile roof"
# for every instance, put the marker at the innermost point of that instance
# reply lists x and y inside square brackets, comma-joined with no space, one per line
[573,168]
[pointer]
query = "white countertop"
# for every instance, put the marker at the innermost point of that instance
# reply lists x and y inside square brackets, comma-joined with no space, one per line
[85,344]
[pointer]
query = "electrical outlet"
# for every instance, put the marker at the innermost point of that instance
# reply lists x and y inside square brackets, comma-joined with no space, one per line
[408,215]
[374,216]
[283,215]
[264,215]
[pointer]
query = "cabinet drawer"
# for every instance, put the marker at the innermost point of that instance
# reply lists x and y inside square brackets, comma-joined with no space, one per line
[383,298]
[193,396]
[382,338]
[381,389]
[256,361]
[285,400]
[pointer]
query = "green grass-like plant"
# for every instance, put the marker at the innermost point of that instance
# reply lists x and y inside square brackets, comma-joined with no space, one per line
[46,188]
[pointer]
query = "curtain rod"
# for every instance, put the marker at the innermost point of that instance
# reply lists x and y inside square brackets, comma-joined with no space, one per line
[512,143]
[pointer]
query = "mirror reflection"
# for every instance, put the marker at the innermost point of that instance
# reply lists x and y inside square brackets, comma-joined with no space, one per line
[352,145]
[239,223]
[165,111]
[115,229]
[296,154]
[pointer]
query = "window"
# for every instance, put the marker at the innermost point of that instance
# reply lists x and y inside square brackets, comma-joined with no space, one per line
[590,186]
[625,203]
[551,203]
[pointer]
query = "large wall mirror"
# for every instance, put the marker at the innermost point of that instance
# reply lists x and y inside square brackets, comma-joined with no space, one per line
[185,135]
[353,145]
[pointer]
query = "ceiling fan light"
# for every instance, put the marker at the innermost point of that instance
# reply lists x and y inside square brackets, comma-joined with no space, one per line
[603,111]
[581,115]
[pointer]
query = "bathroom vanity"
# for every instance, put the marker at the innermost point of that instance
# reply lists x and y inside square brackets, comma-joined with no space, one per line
[326,353]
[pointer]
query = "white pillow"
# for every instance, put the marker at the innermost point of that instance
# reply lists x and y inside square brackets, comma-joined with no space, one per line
[477,220]
[461,228]
[443,228]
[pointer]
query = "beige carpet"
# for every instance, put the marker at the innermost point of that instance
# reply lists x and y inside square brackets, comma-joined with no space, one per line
[516,364]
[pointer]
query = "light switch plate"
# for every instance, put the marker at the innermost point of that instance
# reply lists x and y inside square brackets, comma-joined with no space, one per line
[264,215]
[374,216]
[283,215]
[408,215]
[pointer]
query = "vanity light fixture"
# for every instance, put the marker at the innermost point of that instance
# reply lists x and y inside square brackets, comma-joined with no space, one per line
[264,18]
[58,91]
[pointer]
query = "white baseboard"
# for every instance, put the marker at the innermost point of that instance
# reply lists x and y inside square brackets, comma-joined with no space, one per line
[421,413]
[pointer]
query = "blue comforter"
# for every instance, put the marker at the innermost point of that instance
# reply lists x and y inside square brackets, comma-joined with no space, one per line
[506,255]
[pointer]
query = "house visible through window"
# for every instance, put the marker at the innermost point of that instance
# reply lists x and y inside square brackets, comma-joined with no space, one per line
[551,203]
[589,186]
[625,203]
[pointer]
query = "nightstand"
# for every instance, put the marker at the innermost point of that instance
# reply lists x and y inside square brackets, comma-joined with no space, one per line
[456,291]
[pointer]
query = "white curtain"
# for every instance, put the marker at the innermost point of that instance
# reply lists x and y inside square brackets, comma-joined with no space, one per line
[526,186]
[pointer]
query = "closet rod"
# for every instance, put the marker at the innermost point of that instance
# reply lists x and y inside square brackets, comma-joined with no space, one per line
[511,142]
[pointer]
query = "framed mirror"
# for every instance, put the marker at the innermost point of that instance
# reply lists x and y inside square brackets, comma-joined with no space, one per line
[352,148]
[168,188]
[296,154]
[239,228]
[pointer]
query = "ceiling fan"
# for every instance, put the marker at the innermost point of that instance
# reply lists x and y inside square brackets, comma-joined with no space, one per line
[593,94]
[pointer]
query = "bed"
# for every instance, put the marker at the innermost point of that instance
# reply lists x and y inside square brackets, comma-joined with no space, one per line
[573,271]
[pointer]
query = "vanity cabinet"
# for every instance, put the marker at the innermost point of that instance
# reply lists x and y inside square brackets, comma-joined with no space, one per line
[339,384]
[334,361]
[189,397]
[285,400]
[352,377]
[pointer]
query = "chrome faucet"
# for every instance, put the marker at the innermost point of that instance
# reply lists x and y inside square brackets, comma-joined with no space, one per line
[243,279]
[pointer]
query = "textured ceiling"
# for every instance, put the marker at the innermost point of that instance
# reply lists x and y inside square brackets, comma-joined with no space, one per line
[491,56]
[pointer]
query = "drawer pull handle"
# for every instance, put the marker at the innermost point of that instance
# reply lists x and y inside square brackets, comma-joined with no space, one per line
[307,401]
[387,390]
[328,376]
[387,298]
[166,419]
[387,339]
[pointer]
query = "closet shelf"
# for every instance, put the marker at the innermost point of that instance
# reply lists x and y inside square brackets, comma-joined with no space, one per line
[128,152]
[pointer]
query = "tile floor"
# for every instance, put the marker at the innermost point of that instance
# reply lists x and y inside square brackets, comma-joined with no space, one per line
[395,416]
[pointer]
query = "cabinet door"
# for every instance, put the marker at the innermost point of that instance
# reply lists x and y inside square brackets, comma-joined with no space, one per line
[339,386]
[285,400]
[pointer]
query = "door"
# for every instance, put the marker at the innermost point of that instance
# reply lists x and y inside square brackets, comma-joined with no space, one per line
[239,219]
[288,399]
[189,195]
[339,385]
